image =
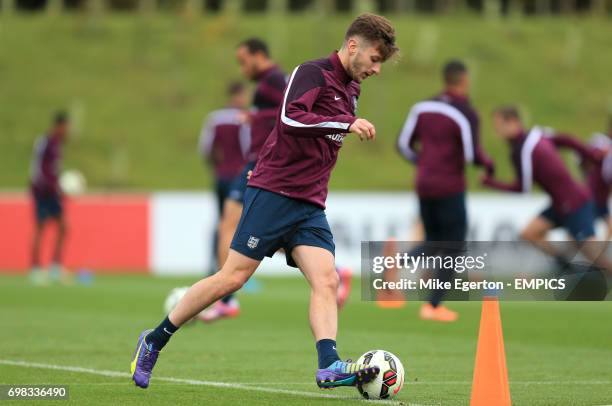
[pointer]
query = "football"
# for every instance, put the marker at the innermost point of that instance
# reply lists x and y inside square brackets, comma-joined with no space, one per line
[72,182]
[389,381]
[173,298]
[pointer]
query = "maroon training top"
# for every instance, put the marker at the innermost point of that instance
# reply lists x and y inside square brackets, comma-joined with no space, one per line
[224,141]
[591,163]
[299,154]
[45,166]
[441,135]
[266,101]
[536,159]
[598,175]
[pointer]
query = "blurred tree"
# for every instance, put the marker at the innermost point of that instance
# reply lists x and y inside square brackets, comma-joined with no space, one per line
[147,6]
[31,5]
[299,5]
[54,7]
[255,5]
[74,4]
[213,5]
[278,6]
[123,4]
[343,6]
[565,6]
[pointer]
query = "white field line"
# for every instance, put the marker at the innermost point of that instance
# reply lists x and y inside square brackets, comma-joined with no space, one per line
[248,387]
[411,383]
[425,383]
[117,374]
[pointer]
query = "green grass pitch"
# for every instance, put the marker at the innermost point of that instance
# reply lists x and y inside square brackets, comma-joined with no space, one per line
[557,353]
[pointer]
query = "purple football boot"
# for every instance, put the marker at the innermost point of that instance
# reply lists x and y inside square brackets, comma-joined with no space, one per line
[144,361]
[345,373]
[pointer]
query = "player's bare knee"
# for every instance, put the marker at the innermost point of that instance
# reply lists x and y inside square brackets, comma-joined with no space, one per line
[328,280]
[237,279]
[233,278]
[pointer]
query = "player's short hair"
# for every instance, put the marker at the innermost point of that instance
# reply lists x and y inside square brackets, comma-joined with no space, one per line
[60,117]
[255,45]
[233,88]
[452,71]
[508,113]
[374,28]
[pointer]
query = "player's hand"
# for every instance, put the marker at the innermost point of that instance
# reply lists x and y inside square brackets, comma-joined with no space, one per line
[249,174]
[364,129]
[597,155]
[490,169]
[486,180]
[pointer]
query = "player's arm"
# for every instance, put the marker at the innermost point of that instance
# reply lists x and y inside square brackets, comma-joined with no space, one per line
[606,168]
[50,171]
[407,138]
[244,137]
[480,156]
[493,183]
[298,119]
[585,152]
[206,139]
[515,186]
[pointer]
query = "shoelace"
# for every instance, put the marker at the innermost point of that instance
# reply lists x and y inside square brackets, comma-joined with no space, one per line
[348,367]
[148,360]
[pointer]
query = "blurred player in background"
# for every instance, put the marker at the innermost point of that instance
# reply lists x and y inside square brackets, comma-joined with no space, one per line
[48,196]
[224,143]
[440,136]
[536,160]
[285,199]
[592,164]
[599,177]
[255,63]
[225,140]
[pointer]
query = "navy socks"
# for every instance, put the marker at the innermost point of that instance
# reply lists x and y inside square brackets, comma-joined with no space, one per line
[326,349]
[162,333]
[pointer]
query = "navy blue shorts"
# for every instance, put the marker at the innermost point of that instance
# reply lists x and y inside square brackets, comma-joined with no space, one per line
[47,207]
[239,185]
[222,190]
[580,223]
[602,211]
[271,221]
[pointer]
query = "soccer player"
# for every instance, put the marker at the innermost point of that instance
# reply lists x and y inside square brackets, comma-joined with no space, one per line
[440,136]
[254,59]
[592,164]
[535,159]
[47,195]
[285,199]
[224,142]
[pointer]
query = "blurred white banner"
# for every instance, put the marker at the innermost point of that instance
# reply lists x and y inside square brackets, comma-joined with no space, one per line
[182,226]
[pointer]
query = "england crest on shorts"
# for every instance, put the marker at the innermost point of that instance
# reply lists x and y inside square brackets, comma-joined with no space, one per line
[252,243]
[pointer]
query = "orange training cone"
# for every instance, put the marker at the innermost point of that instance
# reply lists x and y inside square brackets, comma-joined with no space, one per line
[490,385]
